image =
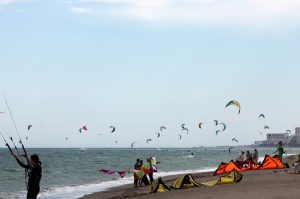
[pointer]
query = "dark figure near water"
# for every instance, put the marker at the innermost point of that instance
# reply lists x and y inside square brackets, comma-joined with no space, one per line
[136,167]
[34,173]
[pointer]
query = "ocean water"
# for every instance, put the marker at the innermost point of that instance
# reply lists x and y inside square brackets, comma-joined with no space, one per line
[72,173]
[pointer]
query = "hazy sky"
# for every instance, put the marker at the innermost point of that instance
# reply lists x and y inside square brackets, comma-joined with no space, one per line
[140,64]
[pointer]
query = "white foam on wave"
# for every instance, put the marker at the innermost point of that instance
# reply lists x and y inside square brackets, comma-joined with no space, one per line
[68,192]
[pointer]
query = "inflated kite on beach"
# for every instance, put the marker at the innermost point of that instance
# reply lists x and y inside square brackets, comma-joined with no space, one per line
[121,173]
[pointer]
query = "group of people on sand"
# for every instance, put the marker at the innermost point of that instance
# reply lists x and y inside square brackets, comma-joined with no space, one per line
[144,180]
[242,157]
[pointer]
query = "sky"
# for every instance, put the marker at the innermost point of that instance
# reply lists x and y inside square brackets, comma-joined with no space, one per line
[141,64]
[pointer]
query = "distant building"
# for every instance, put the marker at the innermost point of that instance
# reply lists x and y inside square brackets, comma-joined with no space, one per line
[274,138]
[297,134]
[285,138]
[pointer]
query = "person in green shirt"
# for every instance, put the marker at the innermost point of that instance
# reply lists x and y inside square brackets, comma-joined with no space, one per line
[280,151]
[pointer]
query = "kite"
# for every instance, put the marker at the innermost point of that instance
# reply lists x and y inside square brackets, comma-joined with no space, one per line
[200,125]
[183,128]
[29,127]
[66,138]
[224,126]
[216,122]
[26,138]
[218,131]
[116,141]
[266,127]
[113,129]
[84,128]
[233,139]
[132,144]
[261,115]
[162,128]
[179,136]
[236,103]
[121,173]
[229,149]
[158,134]
[288,131]
[148,140]
[80,130]
[261,133]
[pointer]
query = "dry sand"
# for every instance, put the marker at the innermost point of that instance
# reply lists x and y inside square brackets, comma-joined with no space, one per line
[255,184]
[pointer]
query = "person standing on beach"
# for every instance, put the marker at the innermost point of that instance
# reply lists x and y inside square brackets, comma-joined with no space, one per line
[34,174]
[255,156]
[280,151]
[241,157]
[136,167]
[149,160]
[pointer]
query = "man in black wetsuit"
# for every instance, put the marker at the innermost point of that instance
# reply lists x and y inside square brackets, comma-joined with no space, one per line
[34,173]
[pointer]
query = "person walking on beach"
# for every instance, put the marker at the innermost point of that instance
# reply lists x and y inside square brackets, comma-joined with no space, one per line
[34,173]
[255,156]
[280,151]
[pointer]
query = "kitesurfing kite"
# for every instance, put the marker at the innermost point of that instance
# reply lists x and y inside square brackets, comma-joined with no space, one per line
[116,141]
[200,125]
[266,127]
[121,173]
[229,149]
[179,136]
[183,128]
[29,127]
[132,144]
[158,134]
[216,122]
[218,131]
[236,103]
[261,115]
[224,126]
[66,138]
[84,128]
[261,133]
[26,138]
[80,130]
[163,128]
[233,139]
[148,140]
[113,129]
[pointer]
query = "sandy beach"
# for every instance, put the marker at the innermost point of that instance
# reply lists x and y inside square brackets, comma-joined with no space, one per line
[275,184]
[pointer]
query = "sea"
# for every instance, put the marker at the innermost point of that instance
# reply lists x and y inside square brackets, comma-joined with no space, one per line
[73,172]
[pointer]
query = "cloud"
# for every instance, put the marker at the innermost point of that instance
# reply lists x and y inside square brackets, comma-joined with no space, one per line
[80,10]
[3,2]
[253,12]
